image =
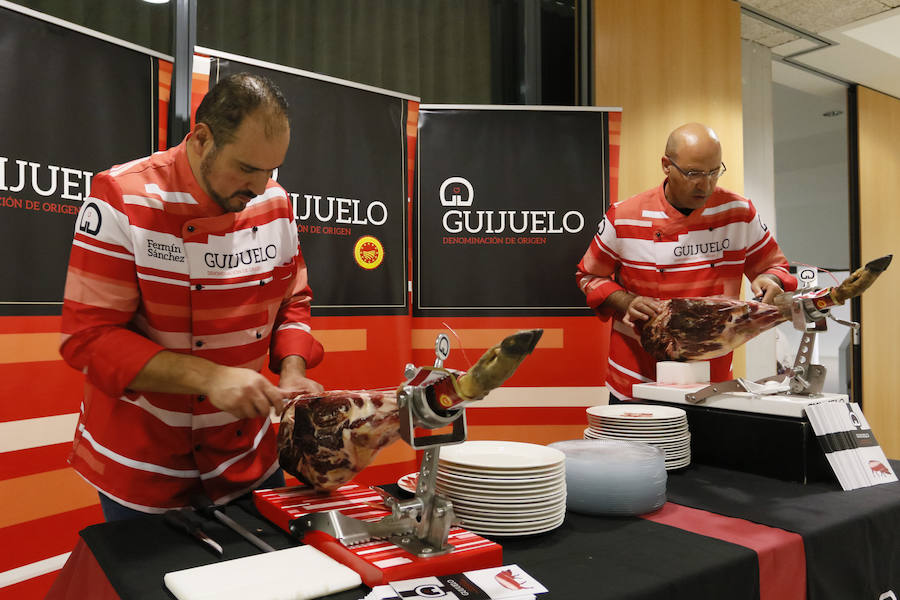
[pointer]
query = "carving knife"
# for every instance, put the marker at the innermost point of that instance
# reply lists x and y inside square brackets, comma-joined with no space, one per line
[188,524]
[207,508]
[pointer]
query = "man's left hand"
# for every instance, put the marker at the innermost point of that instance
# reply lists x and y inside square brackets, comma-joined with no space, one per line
[766,285]
[293,377]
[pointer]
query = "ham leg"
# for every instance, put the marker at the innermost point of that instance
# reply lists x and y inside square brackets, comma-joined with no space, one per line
[326,439]
[705,328]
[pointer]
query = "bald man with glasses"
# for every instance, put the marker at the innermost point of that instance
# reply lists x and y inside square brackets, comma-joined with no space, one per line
[685,237]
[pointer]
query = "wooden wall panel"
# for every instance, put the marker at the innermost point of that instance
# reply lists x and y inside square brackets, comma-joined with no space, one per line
[879,192]
[668,63]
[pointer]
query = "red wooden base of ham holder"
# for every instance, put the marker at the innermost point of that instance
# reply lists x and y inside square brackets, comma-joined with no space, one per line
[379,561]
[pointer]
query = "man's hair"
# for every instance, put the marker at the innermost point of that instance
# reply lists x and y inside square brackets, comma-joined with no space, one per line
[224,107]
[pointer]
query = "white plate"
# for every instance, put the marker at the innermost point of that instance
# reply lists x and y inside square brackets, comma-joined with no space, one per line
[512,503]
[515,513]
[678,464]
[674,439]
[452,490]
[486,454]
[505,533]
[408,482]
[630,412]
[510,523]
[640,426]
[511,484]
[500,497]
[505,474]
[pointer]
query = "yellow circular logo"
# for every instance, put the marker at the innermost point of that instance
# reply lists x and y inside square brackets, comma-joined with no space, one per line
[445,401]
[368,252]
[822,304]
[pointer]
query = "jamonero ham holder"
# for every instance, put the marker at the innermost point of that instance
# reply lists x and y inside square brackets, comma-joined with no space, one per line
[326,439]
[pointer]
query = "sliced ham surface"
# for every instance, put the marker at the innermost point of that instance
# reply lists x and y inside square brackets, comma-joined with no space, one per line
[325,440]
[705,328]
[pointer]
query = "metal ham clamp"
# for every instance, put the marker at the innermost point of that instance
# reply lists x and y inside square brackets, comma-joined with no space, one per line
[431,398]
[807,311]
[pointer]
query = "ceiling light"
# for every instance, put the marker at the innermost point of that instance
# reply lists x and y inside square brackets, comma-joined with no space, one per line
[157,1]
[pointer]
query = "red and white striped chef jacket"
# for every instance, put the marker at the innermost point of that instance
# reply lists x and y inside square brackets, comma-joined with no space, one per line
[157,264]
[647,247]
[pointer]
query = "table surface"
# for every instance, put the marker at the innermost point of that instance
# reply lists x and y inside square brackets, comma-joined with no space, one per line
[849,540]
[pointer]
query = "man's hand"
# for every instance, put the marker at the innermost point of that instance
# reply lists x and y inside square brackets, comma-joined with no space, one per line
[641,308]
[242,392]
[634,308]
[294,379]
[766,285]
[245,393]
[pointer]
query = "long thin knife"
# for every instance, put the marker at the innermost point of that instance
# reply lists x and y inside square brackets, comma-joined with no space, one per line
[208,509]
[181,521]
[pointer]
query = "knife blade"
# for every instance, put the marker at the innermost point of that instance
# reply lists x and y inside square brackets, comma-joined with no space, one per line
[208,508]
[183,522]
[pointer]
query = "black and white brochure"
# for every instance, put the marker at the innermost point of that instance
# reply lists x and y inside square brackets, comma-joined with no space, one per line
[849,444]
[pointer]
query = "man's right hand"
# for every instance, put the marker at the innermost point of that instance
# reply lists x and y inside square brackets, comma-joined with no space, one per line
[241,392]
[245,393]
[632,307]
[641,308]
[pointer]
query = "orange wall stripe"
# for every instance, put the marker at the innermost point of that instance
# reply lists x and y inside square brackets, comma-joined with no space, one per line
[423,339]
[342,340]
[34,347]
[28,347]
[44,494]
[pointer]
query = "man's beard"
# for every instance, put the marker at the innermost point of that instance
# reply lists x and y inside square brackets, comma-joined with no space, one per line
[205,169]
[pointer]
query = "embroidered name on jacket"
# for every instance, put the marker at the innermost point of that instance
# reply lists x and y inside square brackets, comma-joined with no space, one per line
[702,248]
[217,260]
[170,252]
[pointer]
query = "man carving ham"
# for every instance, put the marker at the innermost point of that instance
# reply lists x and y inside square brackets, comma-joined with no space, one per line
[685,238]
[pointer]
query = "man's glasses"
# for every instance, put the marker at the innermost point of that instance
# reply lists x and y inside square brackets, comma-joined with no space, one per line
[695,175]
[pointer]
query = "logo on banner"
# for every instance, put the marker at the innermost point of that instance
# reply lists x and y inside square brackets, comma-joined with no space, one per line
[368,252]
[90,219]
[456,191]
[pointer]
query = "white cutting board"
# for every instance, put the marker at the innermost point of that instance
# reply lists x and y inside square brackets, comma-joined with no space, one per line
[297,573]
[771,404]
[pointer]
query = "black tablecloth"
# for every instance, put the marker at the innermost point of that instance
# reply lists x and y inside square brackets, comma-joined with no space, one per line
[851,542]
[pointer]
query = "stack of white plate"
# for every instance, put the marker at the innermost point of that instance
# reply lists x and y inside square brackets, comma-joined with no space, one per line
[504,488]
[665,427]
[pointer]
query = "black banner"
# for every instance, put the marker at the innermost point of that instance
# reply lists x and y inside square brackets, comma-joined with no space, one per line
[72,105]
[507,201]
[345,172]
